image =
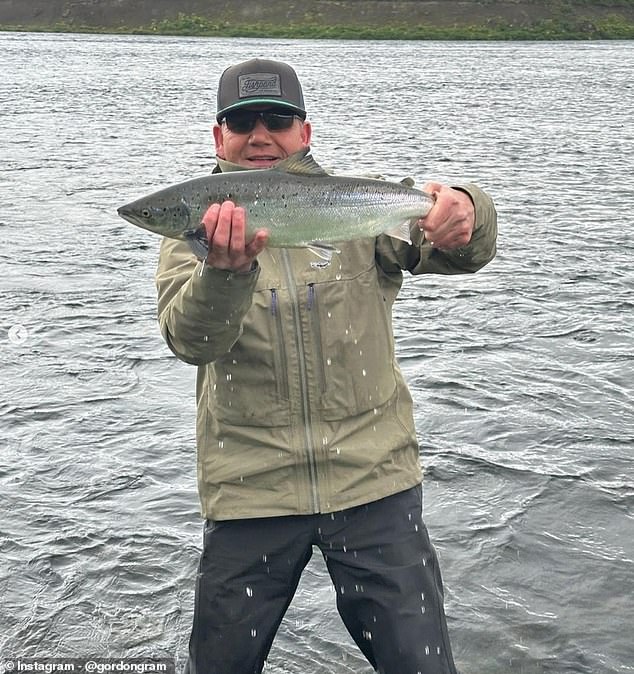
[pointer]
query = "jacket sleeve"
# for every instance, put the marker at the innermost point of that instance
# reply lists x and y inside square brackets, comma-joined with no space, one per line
[421,258]
[200,309]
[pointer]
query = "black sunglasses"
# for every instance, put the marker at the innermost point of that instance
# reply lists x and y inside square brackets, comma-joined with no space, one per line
[244,121]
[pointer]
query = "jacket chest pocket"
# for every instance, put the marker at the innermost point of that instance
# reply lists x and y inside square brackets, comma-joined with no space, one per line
[352,331]
[251,381]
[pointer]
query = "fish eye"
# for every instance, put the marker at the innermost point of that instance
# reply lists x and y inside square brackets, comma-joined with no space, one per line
[145,212]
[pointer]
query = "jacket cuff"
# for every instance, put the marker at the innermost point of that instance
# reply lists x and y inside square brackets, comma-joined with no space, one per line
[226,275]
[482,246]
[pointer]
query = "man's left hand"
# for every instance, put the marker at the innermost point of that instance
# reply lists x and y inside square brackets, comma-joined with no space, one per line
[451,220]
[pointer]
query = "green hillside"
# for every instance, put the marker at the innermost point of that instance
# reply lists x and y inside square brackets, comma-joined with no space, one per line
[382,19]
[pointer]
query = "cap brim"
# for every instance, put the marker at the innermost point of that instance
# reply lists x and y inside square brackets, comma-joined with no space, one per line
[260,101]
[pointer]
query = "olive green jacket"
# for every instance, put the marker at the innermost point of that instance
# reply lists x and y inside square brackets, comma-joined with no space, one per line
[302,407]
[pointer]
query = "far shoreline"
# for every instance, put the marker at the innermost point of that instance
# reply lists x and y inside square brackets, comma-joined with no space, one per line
[612,28]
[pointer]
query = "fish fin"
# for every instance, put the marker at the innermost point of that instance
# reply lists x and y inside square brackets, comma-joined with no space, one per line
[197,240]
[401,231]
[324,251]
[408,182]
[300,165]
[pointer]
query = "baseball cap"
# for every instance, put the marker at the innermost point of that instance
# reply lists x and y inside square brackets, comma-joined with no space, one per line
[259,81]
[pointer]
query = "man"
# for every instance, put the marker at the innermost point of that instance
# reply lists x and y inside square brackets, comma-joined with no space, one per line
[305,429]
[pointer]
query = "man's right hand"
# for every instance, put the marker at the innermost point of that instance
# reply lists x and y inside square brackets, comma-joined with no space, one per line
[226,226]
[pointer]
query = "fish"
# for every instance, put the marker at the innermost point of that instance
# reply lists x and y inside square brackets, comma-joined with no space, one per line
[296,200]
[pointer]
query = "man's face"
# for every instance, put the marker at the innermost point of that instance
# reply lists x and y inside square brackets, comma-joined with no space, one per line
[260,147]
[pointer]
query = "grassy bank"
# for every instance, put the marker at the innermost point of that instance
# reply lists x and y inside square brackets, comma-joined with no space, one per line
[612,27]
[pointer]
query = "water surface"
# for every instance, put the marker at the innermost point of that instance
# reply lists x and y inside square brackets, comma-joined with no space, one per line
[522,374]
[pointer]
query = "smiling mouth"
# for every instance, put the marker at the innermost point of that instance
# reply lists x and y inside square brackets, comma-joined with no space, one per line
[266,158]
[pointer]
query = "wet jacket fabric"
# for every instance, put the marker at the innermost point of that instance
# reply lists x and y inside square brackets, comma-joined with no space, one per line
[301,405]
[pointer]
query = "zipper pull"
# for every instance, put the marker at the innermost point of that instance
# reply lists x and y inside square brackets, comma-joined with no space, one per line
[274,301]
[311,296]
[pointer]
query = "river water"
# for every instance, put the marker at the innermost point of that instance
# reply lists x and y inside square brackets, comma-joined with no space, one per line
[522,375]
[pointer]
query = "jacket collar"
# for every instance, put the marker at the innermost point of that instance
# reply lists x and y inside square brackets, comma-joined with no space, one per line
[224,166]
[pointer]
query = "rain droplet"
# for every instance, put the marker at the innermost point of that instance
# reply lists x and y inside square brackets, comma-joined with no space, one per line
[221,444]
[363,372]
[328,361]
[254,633]
[426,650]
[249,591]
[329,314]
[338,277]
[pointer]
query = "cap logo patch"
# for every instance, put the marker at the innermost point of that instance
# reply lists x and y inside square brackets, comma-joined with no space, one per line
[259,83]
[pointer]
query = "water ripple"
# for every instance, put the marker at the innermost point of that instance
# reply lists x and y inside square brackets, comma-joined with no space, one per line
[521,375]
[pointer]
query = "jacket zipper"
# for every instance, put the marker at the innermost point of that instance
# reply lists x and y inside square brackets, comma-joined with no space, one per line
[278,349]
[303,379]
[314,322]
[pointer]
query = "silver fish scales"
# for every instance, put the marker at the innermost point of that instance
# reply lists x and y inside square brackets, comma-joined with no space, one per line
[299,203]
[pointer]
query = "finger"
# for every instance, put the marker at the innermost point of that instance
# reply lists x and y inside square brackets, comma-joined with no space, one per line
[211,214]
[257,244]
[431,228]
[432,187]
[436,214]
[447,237]
[222,233]
[454,238]
[210,220]
[238,230]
